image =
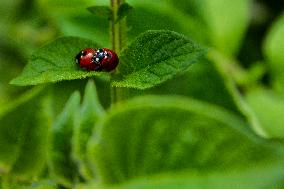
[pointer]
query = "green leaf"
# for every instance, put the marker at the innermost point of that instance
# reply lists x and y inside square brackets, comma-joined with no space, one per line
[123,10]
[227,22]
[273,49]
[269,109]
[44,184]
[100,11]
[56,62]
[24,127]
[155,57]
[202,81]
[160,134]
[91,112]
[151,15]
[61,164]
[271,176]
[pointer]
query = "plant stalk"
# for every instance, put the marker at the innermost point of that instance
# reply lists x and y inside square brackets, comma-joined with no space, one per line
[117,35]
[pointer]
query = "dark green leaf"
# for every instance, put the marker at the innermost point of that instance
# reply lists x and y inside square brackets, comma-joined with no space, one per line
[56,62]
[155,57]
[62,166]
[24,127]
[202,81]
[151,15]
[123,10]
[91,112]
[100,11]
[158,134]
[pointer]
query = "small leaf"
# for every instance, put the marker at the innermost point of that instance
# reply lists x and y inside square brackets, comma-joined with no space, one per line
[100,11]
[123,10]
[155,57]
[24,126]
[91,112]
[62,166]
[56,62]
[162,134]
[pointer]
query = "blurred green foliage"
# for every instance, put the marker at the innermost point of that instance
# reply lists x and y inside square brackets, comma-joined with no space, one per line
[217,123]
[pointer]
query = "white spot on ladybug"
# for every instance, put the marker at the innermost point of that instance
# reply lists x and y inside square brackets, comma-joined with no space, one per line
[97,59]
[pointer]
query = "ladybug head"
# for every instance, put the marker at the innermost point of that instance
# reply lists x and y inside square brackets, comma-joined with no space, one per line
[79,55]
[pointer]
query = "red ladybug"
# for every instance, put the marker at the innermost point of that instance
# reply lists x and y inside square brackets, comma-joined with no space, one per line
[97,60]
[110,61]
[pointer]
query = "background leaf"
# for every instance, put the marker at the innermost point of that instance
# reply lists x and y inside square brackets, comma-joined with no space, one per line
[202,81]
[24,126]
[150,15]
[123,10]
[155,57]
[100,11]
[269,109]
[58,65]
[271,177]
[61,164]
[273,49]
[156,134]
[226,29]
[91,112]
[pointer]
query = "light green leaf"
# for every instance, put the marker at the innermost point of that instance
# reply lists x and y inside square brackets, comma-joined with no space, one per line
[61,164]
[269,109]
[24,126]
[91,112]
[56,62]
[227,22]
[267,176]
[100,11]
[160,134]
[273,49]
[153,58]
[123,10]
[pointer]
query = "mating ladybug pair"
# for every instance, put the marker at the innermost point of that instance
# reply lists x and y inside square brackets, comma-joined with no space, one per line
[97,59]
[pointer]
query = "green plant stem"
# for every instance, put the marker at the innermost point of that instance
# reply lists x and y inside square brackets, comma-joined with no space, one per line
[117,35]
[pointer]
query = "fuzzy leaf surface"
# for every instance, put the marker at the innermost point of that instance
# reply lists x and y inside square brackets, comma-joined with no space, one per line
[154,57]
[56,62]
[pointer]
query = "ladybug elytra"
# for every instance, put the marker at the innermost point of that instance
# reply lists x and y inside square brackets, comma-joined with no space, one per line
[97,59]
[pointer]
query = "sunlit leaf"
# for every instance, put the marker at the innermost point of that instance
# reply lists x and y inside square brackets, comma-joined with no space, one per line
[154,57]
[56,62]
[269,109]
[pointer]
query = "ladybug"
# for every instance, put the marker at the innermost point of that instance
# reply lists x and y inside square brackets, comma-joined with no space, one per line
[97,59]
